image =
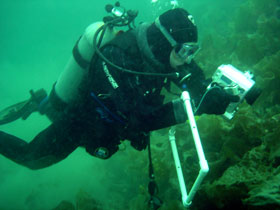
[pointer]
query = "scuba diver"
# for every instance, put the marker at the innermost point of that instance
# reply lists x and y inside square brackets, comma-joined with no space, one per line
[110,90]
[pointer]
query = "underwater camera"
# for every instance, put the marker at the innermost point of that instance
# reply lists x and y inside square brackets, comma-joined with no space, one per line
[236,82]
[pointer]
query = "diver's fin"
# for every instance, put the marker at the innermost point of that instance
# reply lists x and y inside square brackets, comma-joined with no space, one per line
[22,109]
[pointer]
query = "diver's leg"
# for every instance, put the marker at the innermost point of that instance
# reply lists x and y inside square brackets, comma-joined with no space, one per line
[48,147]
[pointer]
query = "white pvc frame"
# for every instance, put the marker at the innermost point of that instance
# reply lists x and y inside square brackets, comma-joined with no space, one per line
[187,198]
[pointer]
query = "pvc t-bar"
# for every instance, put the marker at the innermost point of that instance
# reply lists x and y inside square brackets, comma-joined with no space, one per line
[187,199]
[202,160]
[204,169]
[179,171]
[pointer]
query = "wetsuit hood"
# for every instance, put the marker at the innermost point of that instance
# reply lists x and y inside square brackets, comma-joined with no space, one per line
[179,24]
[144,47]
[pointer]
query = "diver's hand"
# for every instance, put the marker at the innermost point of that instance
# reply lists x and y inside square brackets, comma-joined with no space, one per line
[215,101]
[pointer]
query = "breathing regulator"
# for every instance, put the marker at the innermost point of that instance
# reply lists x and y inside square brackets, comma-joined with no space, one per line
[118,16]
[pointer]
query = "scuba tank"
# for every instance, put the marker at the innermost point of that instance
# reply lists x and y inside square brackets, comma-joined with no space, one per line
[94,37]
[65,89]
[77,67]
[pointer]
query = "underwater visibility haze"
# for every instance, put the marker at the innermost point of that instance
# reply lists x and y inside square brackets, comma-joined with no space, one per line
[37,38]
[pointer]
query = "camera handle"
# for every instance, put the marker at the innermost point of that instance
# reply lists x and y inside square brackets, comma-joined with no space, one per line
[187,198]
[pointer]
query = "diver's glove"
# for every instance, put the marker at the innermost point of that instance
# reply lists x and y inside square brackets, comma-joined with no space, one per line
[215,101]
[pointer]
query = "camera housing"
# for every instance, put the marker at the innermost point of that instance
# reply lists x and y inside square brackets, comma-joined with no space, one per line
[236,82]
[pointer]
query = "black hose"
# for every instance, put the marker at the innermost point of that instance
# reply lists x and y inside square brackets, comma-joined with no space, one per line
[99,53]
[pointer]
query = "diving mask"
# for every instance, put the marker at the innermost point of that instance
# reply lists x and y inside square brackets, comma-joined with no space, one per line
[186,51]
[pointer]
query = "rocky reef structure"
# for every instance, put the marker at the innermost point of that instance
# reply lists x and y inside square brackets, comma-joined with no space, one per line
[244,153]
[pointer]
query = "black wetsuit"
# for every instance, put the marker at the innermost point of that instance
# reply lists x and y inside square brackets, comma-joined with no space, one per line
[107,112]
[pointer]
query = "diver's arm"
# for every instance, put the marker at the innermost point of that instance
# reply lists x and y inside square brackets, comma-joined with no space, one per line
[167,115]
[192,79]
[141,117]
[205,100]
